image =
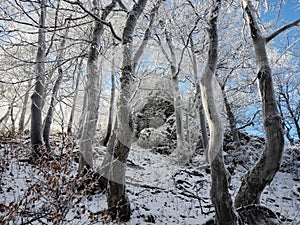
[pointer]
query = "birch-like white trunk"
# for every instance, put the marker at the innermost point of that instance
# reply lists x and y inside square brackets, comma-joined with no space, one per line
[219,193]
[263,172]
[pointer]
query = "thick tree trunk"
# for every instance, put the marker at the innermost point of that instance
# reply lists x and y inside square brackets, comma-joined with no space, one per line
[92,91]
[220,195]
[36,131]
[24,108]
[71,118]
[263,172]
[117,200]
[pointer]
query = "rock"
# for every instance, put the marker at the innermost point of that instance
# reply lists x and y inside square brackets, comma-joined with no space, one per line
[151,138]
[153,114]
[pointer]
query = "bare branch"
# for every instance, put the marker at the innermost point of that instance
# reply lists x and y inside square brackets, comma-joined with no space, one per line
[96,18]
[282,29]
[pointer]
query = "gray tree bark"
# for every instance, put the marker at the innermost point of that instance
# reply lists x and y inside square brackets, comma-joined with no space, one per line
[71,118]
[92,91]
[117,200]
[36,131]
[219,193]
[231,119]
[49,115]
[111,106]
[204,137]
[24,108]
[263,172]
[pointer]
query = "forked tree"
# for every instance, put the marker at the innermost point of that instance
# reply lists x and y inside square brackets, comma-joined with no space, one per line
[117,200]
[263,172]
[92,89]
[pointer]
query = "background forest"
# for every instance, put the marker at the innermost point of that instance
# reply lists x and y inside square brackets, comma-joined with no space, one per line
[114,109]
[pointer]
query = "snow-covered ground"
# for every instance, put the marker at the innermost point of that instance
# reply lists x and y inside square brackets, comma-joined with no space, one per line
[160,190]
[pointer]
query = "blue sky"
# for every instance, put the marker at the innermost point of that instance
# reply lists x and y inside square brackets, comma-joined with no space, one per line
[290,11]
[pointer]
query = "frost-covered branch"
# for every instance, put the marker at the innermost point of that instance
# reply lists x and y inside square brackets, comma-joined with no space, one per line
[282,29]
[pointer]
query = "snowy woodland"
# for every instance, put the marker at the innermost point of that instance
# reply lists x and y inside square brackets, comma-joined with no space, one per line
[149,112]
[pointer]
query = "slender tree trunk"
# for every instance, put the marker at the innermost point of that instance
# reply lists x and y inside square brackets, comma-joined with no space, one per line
[12,118]
[292,113]
[219,193]
[49,116]
[204,137]
[36,131]
[177,101]
[232,122]
[24,108]
[263,172]
[92,91]
[111,107]
[117,200]
[83,114]
[71,118]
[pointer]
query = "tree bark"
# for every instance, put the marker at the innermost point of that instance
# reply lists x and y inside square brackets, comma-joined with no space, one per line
[111,106]
[71,118]
[36,131]
[263,172]
[204,137]
[219,193]
[117,200]
[232,121]
[24,108]
[92,91]
[177,101]
[49,115]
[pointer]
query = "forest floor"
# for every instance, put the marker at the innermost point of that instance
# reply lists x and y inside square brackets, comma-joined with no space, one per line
[160,190]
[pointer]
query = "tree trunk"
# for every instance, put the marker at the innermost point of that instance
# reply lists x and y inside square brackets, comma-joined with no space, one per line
[263,172]
[49,116]
[292,113]
[177,102]
[24,108]
[70,123]
[117,201]
[111,107]
[92,91]
[204,137]
[232,122]
[36,131]
[220,195]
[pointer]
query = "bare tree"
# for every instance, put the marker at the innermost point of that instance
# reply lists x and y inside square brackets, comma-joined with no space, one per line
[92,90]
[202,119]
[49,116]
[117,199]
[263,172]
[220,196]
[111,104]
[24,107]
[36,131]
[71,118]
